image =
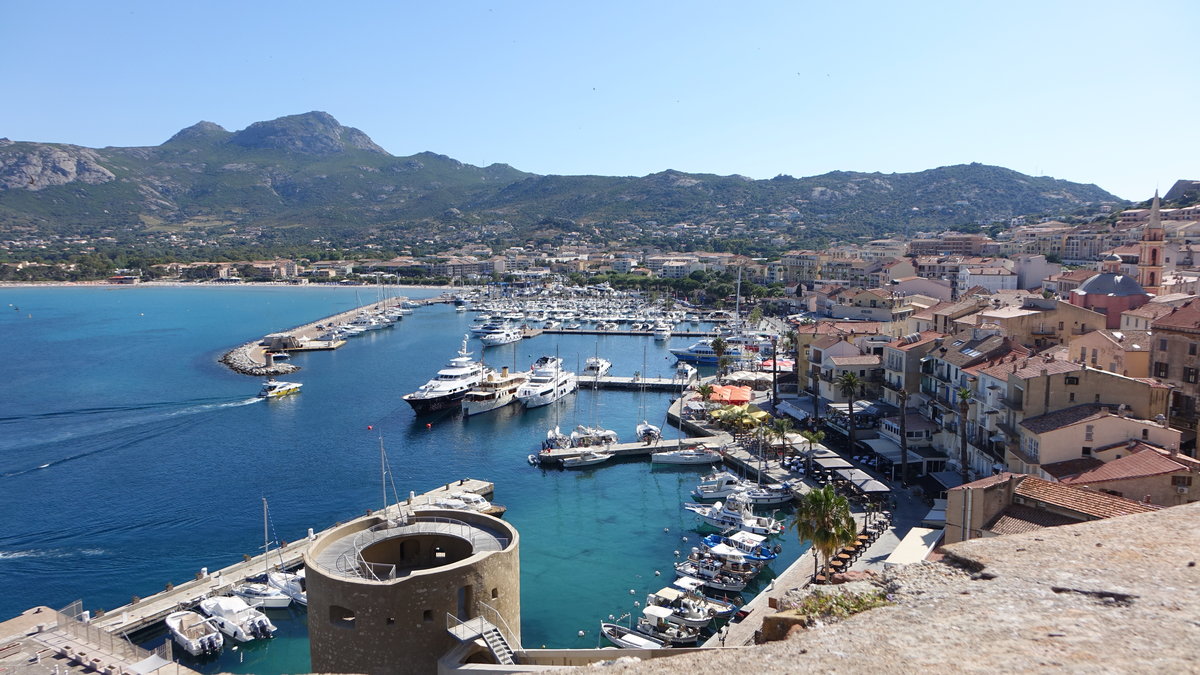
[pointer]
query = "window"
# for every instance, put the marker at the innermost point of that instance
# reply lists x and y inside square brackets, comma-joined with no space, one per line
[1189,374]
[341,617]
[1191,349]
[1071,397]
[1161,369]
[1181,481]
[1162,344]
[1072,380]
[1088,432]
[1145,434]
[391,621]
[495,593]
[427,616]
[1087,451]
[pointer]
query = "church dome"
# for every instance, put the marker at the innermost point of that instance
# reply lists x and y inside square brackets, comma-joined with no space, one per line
[1113,257]
[1111,284]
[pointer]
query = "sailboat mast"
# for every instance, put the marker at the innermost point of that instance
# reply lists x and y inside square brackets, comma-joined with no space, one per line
[266,539]
[383,474]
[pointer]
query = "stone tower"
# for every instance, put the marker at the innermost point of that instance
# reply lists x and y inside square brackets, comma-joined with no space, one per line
[1150,256]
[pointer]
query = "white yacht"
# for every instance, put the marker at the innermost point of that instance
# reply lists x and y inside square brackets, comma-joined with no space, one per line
[596,367]
[702,352]
[262,595]
[547,383]
[719,486]
[735,513]
[585,436]
[662,332]
[693,455]
[496,390]
[237,619]
[292,584]
[502,337]
[648,433]
[273,388]
[197,635]
[451,385]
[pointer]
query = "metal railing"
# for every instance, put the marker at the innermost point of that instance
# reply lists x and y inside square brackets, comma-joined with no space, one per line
[352,563]
[71,625]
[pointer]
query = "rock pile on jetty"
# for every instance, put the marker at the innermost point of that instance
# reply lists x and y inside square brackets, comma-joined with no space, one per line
[239,360]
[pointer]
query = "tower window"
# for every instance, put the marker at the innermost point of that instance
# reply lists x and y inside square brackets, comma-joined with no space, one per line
[341,617]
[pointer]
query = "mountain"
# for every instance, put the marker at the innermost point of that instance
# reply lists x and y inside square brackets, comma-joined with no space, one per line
[304,176]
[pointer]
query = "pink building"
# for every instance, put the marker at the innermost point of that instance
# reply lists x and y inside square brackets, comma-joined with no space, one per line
[1110,292]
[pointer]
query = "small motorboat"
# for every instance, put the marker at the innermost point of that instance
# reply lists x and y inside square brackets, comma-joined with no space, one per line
[735,513]
[196,634]
[237,619]
[584,436]
[648,433]
[273,388]
[655,623]
[292,584]
[716,574]
[719,486]
[769,495]
[693,455]
[687,609]
[748,546]
[627,638]
[596,367]
[586,458]
[279,356]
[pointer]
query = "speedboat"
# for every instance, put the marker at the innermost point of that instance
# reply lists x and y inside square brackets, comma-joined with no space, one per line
[496,390]
[648,433]
[691,455]
[273,388]
[262,595]
[461,501]
[702,352]
[548,382]
[237,619]
[748,546]
[585,436]
[627,638]
[719,486]
[586,458]
[292,584]
[450,386]
[501,337]
[596,367]
[735,513]
[197,635]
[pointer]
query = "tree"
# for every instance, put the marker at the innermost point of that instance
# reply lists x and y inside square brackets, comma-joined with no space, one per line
[813,438]
[823,517]
[705,391]
[848,384]
[756,316]
[903,438]
[781,427]
[964,403]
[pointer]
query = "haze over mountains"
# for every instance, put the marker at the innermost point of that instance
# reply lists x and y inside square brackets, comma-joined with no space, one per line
[308,171]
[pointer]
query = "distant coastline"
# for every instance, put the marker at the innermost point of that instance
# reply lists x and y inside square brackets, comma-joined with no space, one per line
[184,284]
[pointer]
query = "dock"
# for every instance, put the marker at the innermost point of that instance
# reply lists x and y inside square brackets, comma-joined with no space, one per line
[627,333]
[144,612]
[631,383]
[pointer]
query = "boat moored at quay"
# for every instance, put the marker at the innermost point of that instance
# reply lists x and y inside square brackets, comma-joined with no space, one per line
[548,382]
[450,386]
[494,391]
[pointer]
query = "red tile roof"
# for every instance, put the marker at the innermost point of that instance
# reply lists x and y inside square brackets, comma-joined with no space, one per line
[1026,368]
[1015,519]
[1071,467]
[1142,463]
[1094,504]
[1186,317]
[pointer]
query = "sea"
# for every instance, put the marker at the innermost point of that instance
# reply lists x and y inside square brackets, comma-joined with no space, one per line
[131,458]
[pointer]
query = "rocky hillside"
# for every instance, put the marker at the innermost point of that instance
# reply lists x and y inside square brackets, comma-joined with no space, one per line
[308,171]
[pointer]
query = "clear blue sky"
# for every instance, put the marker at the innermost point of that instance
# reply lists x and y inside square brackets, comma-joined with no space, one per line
[1096,92]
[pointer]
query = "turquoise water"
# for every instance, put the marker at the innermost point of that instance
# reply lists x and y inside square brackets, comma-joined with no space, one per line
[130,458]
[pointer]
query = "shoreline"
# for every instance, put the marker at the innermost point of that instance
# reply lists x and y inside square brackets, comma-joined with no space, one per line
[189,284]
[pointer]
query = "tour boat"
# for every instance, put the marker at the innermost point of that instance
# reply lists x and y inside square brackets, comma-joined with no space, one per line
[586,458]
[237,619]
[654,623]
[450,386]
[548,382]
[692,455]
[689,609]
[627,638]
[596,367]
[196,634]
[273,388]
[496,390]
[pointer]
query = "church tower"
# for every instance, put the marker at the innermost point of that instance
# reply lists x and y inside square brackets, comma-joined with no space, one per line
[1150,256]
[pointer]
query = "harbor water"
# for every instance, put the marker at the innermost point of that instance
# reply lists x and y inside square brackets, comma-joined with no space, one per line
[130,458]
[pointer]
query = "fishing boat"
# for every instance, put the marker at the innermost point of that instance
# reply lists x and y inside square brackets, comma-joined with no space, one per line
[293,585]
[655,623]
[548,382]
[585,436]
[717,575]
[496,390]
[697,454]
[775,494]
[237,619]
[586,458]
[685,610]
[450,386]
[596,367]
[627,638]
[752,547]
[735,513]
[196,634]
[273,388]
[719,486]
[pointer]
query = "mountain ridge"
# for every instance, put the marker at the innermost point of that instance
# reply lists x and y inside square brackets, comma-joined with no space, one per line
[308,171]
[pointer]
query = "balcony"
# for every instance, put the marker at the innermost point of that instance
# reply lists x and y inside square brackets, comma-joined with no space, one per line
[1182,422]
[1014,403]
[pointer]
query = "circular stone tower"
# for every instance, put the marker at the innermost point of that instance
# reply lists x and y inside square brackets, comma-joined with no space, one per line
[393,595]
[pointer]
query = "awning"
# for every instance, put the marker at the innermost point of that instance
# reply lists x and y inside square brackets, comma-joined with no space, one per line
[948,479]
[935,518]
[863,481]
[888,449]
[915,546]
[833,463]
[657,612]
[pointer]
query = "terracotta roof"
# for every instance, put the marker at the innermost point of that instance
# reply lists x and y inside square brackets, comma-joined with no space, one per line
[989,481]
[970,352]
[1062,418]
[927,314]
[1140,464]
[1086,502]
[1071,467]
[1016,518]
[826,341]
[1150,310]
[926,336]
[868,360]
[1074,275]
[1026,368]
[1186,317]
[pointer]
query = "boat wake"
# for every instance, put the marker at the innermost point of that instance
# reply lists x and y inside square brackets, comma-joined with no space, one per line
[51,553]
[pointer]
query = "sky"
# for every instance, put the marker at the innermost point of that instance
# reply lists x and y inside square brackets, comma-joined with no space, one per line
[1094,92]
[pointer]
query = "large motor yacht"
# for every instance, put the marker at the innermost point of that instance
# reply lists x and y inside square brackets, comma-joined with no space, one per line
[496,390]
[702,352]
[547,383]
[451,385]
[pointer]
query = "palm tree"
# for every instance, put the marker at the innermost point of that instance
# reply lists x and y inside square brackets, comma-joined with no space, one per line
[848,384]
[781,427]
[813,438]
[964,403]
[705,391]
[823,517]
[719,346]
[903,438]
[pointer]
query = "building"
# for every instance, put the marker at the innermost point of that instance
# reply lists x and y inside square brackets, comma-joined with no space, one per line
[1135,470]
[1123,352]
[1175,361]
[394,595]
[1079,431]
[1010,503]
[1110,293]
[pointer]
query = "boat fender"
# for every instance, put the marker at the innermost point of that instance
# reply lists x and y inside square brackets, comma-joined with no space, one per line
[712,612]
[777,549]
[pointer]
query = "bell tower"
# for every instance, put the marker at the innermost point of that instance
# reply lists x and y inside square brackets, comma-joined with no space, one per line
[1150,265]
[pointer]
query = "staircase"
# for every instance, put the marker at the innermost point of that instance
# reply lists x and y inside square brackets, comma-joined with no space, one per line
[499,646]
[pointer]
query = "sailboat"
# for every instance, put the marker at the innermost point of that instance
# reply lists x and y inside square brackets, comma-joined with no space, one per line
[256,591]
[646,432]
